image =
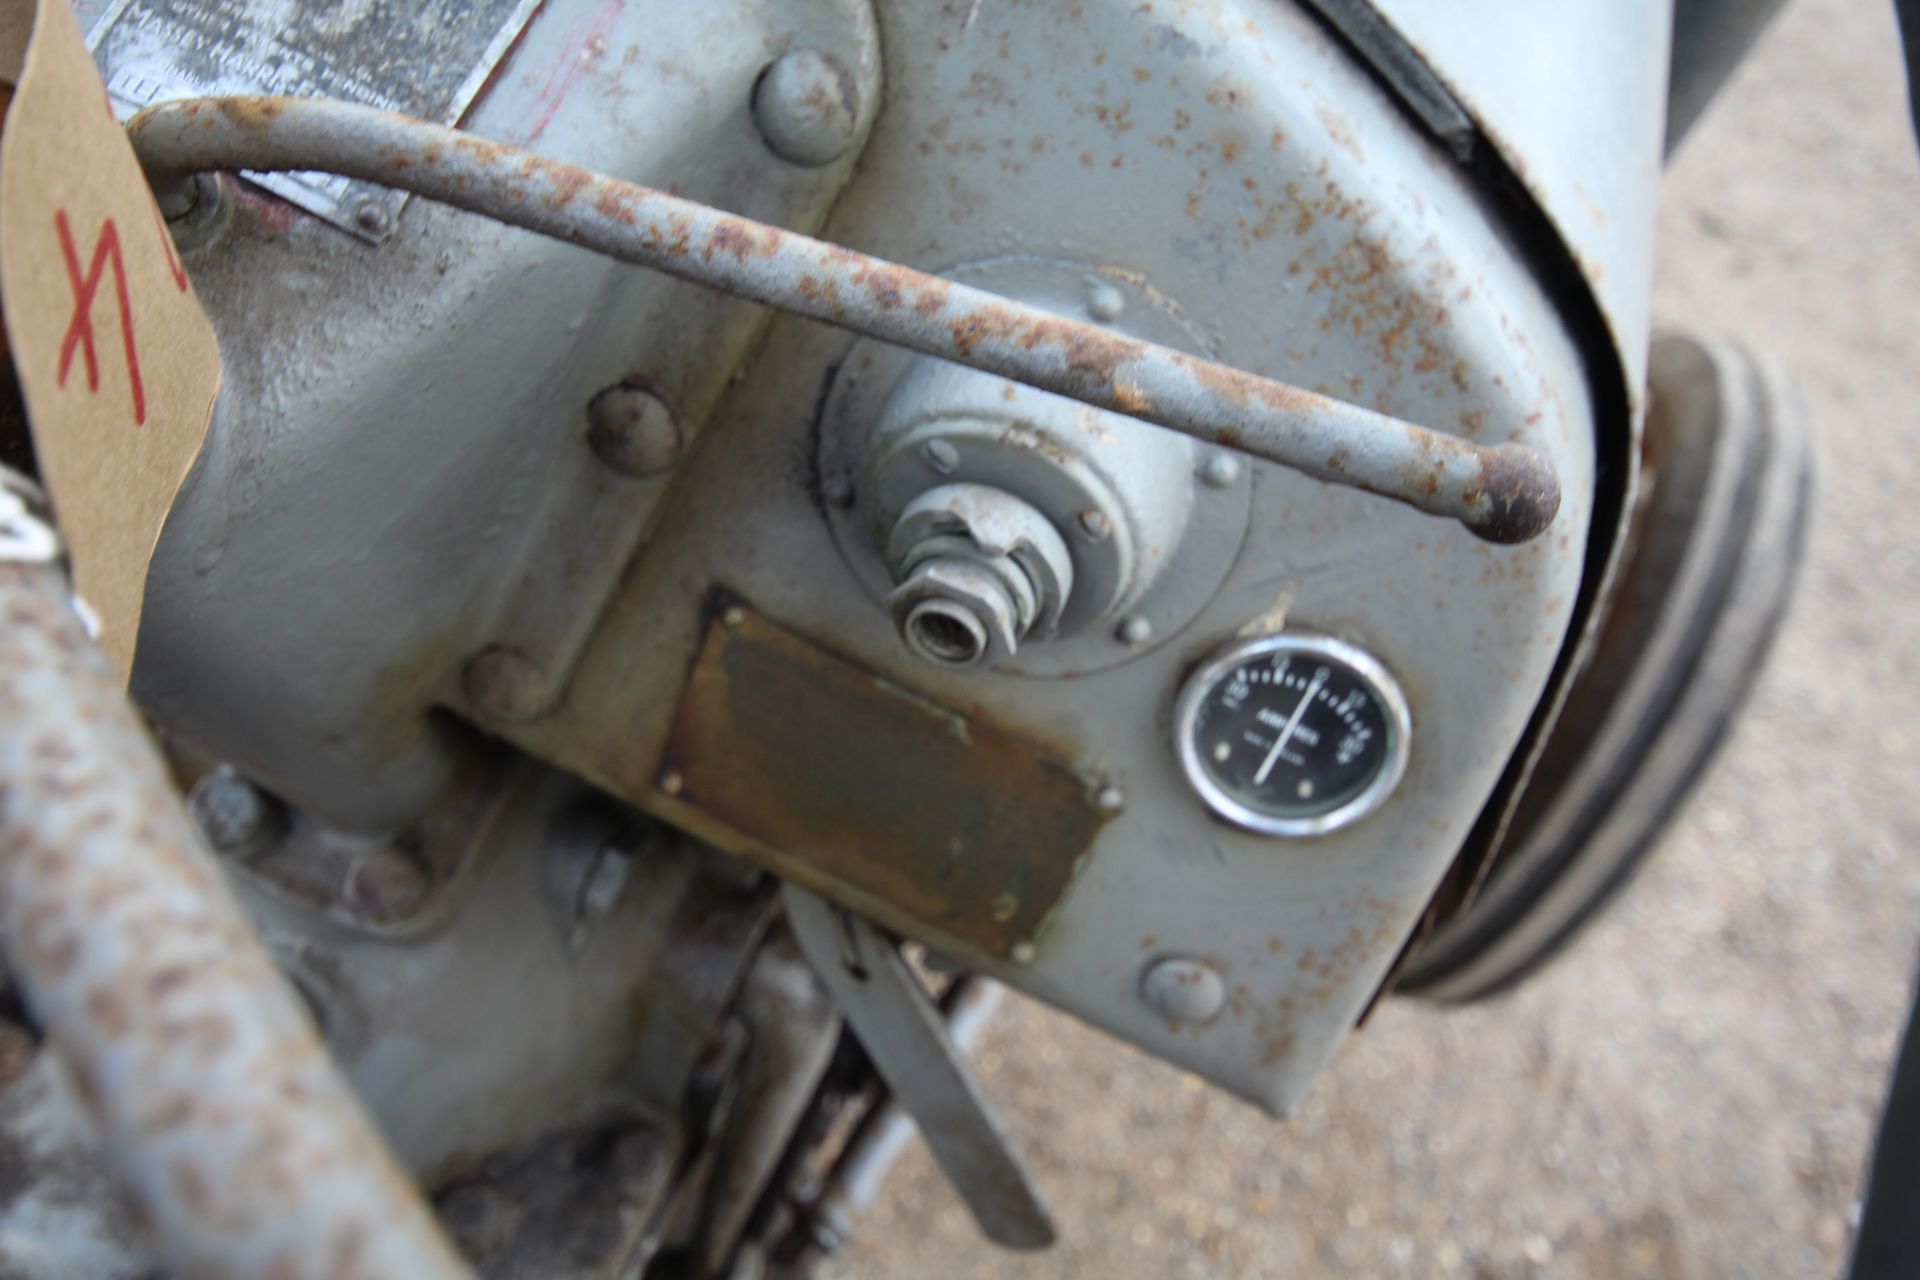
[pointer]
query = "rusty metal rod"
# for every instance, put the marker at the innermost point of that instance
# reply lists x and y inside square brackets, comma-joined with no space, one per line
[1503,493]
[217,1105]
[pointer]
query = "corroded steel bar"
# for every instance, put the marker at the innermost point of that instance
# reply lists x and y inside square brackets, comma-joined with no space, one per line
[1503,493]
[218,1107]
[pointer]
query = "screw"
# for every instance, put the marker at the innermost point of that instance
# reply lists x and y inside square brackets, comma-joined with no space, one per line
[672,783]
[1095,525]
[1136,631]
[1184,991]
[386,885]
[941,456]
[1220,470]
[1106,303]
[371,217]
[237,818]
[632,430]
[807,108]
[506,685]
[1110,800]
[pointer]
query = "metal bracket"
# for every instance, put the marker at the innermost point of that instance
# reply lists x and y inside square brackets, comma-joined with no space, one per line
[907,1039]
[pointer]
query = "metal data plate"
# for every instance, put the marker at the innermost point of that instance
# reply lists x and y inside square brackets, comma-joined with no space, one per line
[428,62]
[872,795]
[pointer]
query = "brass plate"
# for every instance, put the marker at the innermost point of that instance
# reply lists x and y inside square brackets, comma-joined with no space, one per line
[872,795]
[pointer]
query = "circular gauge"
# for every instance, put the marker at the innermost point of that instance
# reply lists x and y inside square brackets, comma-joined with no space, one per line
[1292,735]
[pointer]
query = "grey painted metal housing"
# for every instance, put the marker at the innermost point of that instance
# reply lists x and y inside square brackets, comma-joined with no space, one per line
[404,428]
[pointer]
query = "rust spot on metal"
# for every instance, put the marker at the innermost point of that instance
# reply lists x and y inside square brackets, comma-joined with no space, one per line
[1520,492]
[873,794]
[251,111]
[614,204]
[567,181]
[741,241]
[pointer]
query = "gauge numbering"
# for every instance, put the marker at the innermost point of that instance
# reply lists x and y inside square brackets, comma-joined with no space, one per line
[1292,734]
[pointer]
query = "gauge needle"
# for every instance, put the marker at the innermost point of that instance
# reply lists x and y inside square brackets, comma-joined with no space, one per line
[1293,722]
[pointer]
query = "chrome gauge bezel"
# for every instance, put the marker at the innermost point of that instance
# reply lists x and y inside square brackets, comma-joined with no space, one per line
[1386,691]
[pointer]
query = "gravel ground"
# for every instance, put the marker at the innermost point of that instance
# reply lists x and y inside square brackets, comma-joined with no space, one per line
[1690,1092]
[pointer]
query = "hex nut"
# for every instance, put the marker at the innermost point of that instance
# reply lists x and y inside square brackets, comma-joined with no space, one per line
[956,613]
[632,430]
[1185,991]
[1005,533]
[807,108]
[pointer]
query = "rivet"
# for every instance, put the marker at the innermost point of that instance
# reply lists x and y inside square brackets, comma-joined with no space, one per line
[632,430]
[371,217]
[1106,303]
[1110,800]
[1136,631]
[1185,991]
[1096,525]
[837,490]
[734,615]
[807,108]
[671,783]
[1220,470]
[506,685]
[1022,953]
[1006,907]
[941,456]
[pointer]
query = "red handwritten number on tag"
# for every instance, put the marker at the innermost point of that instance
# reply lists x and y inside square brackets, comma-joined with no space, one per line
[79,336]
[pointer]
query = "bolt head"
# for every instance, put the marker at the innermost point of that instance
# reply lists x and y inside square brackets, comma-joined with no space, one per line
[1188,992]
[1106,303]
[386,885]
[635,1155]
[1095,525]
[237,818]
[838,491]
[506,685]
[1220,470]
[477,1216]
[807,108]
[632,430]
[941,456]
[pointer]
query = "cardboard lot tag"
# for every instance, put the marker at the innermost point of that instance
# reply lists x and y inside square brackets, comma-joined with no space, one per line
[117,362]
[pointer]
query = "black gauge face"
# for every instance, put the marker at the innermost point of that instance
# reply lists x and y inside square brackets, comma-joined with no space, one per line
[1293,735]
